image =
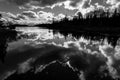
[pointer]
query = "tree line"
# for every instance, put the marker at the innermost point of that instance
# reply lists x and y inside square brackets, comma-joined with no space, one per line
[95,21]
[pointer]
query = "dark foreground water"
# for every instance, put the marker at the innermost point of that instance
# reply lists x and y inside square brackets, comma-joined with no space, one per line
[32,53]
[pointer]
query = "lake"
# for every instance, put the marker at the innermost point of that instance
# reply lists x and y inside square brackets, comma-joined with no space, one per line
[36,48]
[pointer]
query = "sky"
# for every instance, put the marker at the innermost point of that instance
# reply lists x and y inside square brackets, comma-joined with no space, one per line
[41,11]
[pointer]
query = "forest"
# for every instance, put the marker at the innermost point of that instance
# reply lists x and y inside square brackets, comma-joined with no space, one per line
[98,20]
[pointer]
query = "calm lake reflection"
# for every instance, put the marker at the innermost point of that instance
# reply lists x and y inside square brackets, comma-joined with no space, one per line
[35,48]
[24,43]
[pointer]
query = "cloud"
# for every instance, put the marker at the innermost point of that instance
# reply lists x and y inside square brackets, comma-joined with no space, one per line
[41,16]
[49,2]
[83,6]
[87,4]
[21,17]
[30,7]
[7,16]
[31,17]
[68,6]
[47,16]
[34,4]
[74,3]
[112,2]
[27,17]
[59,17]
[30,14]
[18,2]
[40,3]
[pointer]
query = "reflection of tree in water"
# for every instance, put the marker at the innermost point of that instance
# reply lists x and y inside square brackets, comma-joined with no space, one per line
[1,22]
[60,71]
[5,37]
[112,37]
[55,71]
[105,22]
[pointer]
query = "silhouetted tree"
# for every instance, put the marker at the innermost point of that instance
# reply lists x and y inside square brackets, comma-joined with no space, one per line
[5,37]
[103,21]
[0,20]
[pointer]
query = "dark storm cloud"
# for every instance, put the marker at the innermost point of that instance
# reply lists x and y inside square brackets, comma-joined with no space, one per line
[19,2]
[41,3]
[48,2]
[83,6]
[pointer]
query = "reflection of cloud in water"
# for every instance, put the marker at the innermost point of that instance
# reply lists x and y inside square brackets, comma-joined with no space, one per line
[36,33]
[44,47]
